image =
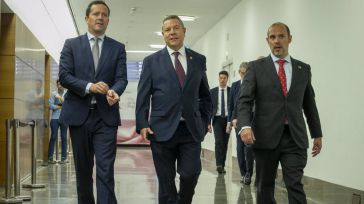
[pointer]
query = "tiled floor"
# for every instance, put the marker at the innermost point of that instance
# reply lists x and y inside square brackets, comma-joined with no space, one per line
[136,183]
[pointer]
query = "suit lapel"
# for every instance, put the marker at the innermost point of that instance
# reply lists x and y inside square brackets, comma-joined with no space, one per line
[273,73]
[106,47]
[190,63]
[88,56]
[169,66]
[295,74]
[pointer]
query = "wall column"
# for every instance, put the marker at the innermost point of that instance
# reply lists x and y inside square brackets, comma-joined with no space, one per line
[7,81]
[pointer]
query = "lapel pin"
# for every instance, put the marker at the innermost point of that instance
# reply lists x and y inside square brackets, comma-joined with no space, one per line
[299,67]
[190,57]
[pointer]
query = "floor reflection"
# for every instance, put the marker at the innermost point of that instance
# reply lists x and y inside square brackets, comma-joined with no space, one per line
[136,183]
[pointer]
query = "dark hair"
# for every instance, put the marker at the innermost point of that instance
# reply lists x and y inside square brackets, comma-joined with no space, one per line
[223,72]
[172,17]
[279,24]
[88,10]
[58,81]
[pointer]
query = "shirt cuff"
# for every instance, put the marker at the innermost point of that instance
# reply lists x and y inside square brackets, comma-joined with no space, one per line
[87,91]
[245,127]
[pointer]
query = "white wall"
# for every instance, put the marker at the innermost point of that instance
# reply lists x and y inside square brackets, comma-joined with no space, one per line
[327,34]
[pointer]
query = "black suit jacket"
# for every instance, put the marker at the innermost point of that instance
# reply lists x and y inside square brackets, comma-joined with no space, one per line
[76,69]
[261,84]
[161,101]
[215,97]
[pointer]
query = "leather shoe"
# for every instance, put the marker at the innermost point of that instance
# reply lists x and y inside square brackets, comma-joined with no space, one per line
[220,169]
[247,180]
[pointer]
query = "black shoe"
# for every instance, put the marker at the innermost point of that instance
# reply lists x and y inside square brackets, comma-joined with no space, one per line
[220,169]
[247,180]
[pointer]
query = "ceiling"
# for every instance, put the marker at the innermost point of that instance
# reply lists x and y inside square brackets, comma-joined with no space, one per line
[134,22]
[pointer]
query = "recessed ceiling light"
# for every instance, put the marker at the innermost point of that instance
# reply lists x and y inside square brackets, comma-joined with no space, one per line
[187,18]
[157,46]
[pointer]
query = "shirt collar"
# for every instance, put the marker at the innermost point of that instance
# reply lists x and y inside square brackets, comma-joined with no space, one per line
[90,36]
[222,88]
[274,58]
[182,51]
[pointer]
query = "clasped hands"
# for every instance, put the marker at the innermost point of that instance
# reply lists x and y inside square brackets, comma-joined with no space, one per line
[102,88]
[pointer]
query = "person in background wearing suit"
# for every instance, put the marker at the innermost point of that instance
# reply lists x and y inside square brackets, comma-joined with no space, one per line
[244,152]
[220,101]
[281,88]
[93,69]
[173,109]
[55,104]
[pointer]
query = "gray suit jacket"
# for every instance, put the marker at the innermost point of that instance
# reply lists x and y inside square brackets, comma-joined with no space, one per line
[261,85]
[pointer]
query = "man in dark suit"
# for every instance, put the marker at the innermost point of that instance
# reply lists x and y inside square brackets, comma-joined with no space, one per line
[220,102]
[93,69]
[281,88]
[243,152]
[173,110]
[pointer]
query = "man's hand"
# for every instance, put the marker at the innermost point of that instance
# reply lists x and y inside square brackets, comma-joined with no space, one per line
[228,128]
[59,98]
[234,122]
[145,132]
[317,145]
[209,128]
[100,87]
[247,136]
[112,97]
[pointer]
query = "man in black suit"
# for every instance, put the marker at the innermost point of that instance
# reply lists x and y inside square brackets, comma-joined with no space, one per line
[93,69]
[173,110]
[281,88]
[243,152]
[220,110]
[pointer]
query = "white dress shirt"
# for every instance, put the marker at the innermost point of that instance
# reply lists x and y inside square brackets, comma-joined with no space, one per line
[92,42]
[181,57]
[218,112]
[287,66]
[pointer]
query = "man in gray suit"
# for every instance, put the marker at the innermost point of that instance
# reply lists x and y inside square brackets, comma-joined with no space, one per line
[280,87]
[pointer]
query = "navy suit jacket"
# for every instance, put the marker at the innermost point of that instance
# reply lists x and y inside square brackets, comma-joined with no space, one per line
[233,97]
[261,85]
[161,101]
[76,69]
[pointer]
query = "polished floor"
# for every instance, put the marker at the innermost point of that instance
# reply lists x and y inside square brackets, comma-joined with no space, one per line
[136,183]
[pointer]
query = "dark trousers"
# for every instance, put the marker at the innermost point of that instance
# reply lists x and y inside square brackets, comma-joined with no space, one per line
[245,156]
[293,160]
[221,139]
[94,139]
[186,151]
[55,125]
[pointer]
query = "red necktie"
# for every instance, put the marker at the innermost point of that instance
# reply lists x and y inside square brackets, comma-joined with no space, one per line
[282,76]
[179,69]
